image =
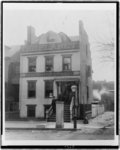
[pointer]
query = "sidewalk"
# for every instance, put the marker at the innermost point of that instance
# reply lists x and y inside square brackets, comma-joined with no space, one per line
[96,123]
[43,125]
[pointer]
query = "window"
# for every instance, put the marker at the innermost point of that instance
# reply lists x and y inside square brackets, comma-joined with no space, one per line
[48,88]
[50,39]
[31,89]
[32,64]
[49,63]
[31,109]
[66,63]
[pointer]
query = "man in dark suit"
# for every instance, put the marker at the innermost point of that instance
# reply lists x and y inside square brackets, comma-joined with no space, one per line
[54,104]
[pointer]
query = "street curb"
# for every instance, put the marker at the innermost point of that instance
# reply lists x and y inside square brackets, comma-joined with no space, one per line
[56,129]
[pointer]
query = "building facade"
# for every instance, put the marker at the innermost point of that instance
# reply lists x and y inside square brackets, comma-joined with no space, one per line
[49,65]
[12,67]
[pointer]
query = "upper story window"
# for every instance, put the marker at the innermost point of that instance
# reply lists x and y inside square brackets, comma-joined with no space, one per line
[48,88]
[66,63]
[31,89]
[48,63]
[32,64]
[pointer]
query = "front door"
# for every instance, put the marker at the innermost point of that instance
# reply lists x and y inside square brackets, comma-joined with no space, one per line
[31,110]
[66,92]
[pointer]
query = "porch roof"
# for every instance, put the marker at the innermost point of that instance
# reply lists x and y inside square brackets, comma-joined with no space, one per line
[67,79]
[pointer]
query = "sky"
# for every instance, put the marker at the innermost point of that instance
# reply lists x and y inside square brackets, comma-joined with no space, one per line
[98,19]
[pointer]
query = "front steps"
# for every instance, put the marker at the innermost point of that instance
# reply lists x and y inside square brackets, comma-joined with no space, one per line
[52,118]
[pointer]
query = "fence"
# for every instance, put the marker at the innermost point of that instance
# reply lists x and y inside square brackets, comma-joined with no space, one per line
[97,109]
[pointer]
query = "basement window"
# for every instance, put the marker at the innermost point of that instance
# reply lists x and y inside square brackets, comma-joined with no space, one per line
[48,88]
[32,64]
[31,89]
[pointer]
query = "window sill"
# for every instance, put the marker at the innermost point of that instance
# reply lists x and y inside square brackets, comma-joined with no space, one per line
[31,98]
[49,71]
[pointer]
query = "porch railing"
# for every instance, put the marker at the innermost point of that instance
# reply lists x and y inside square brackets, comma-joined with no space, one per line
[49,112]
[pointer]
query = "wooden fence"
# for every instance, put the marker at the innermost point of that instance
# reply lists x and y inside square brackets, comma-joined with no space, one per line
[97,109]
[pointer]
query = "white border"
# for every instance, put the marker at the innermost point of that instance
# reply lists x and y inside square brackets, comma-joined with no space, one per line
[64,142]
[60,6]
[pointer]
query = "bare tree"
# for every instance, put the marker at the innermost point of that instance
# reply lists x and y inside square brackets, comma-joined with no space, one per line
[105,43]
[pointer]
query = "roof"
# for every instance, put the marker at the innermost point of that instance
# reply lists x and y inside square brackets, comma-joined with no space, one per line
[7,48]
[74,38]
[10,51]
[16,57]
[52,37]
[45,42]
[49,47]
[13,53]
[52,41]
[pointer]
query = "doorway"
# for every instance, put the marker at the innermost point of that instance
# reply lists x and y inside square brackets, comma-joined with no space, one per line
[31,111]
[64,90]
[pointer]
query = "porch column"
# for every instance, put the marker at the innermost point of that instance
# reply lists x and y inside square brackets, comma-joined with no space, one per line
[55,89]
[59,114]
[59,88]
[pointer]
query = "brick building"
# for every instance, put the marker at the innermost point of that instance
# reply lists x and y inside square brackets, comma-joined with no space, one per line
[49,65]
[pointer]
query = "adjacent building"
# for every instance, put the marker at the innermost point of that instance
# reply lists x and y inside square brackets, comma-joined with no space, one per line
[12,76]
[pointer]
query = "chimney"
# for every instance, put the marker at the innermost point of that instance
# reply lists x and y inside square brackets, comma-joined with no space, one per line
[31,37]
[82,40]
[85,81]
